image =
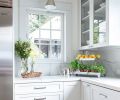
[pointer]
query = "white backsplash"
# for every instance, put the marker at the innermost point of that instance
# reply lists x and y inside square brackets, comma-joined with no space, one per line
[45,68]
[111,60]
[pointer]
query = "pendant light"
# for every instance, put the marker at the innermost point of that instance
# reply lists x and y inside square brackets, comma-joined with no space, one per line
[50,5]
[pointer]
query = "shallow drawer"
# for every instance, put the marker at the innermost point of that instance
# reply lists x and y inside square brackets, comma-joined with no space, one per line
[32,88]
[53,96]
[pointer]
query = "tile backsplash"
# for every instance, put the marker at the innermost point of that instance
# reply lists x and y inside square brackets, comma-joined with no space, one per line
[45,68]
[111,60]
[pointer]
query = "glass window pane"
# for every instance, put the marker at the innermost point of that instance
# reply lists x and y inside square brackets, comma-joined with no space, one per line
[33,22]
[56,34]
[44,51]
[45,21]
[56,22]
[37,45]
[56,51]
[34,36]
[45,34]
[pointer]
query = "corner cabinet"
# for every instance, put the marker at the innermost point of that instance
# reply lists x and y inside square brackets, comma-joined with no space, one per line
[99,23]
[93,92]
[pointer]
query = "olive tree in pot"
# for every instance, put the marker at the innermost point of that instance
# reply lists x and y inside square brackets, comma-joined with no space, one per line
[22,50]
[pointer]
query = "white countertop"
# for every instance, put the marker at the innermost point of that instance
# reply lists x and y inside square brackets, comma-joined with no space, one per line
[110,83]
[46,79]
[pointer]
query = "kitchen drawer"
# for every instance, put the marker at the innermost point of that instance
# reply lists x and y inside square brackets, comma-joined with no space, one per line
[100,93]
[38,88]
[53,96]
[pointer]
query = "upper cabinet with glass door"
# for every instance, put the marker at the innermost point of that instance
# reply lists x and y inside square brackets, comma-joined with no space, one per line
[85,23]
[100,23]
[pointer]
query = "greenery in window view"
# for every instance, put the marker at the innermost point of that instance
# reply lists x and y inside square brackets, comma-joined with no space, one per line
[36,21]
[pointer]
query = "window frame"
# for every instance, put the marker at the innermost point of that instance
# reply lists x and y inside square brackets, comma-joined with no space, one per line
[63,34]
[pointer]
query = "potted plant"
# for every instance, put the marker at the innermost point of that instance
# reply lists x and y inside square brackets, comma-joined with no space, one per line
[22,50]
[74,65]
[98,68]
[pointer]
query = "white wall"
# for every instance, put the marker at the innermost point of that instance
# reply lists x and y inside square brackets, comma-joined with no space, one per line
[68,6]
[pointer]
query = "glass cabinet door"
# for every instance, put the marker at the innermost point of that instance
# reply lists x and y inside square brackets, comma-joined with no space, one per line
[85,21]
[99,21]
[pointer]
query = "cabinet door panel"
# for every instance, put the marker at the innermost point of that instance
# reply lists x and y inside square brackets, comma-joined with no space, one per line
[99,21]
[86,91]
[85,22]
[72,91]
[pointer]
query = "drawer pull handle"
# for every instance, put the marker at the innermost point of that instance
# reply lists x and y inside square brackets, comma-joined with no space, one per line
[88,85]
[40,99]
[38,88]
[103,95]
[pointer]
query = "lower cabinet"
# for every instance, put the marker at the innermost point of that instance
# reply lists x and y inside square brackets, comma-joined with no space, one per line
[100,93]
[48,91]
[93,92]
[49,96]
[72,90]
[85,91]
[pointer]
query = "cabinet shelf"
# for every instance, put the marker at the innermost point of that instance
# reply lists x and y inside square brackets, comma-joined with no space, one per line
[86,31]
[100,13]
[85,18]
[85,4]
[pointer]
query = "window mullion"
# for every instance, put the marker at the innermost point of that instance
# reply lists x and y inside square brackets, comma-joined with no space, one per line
[39,35]
[50,39]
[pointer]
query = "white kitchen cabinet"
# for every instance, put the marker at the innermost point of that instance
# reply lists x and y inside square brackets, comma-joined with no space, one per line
[100,93]
[85,91]
[93,92]
[50,96]
[99,22]
[39,91]
[72,90]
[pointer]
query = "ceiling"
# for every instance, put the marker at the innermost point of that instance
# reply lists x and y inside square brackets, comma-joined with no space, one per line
[5,3]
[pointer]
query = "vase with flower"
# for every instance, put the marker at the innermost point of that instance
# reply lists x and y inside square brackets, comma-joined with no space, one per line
[22,50]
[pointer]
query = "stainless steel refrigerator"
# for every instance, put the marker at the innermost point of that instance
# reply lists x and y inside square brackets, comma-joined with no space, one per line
[6,50]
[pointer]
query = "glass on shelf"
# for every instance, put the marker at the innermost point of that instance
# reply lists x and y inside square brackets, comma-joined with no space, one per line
[99,21]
